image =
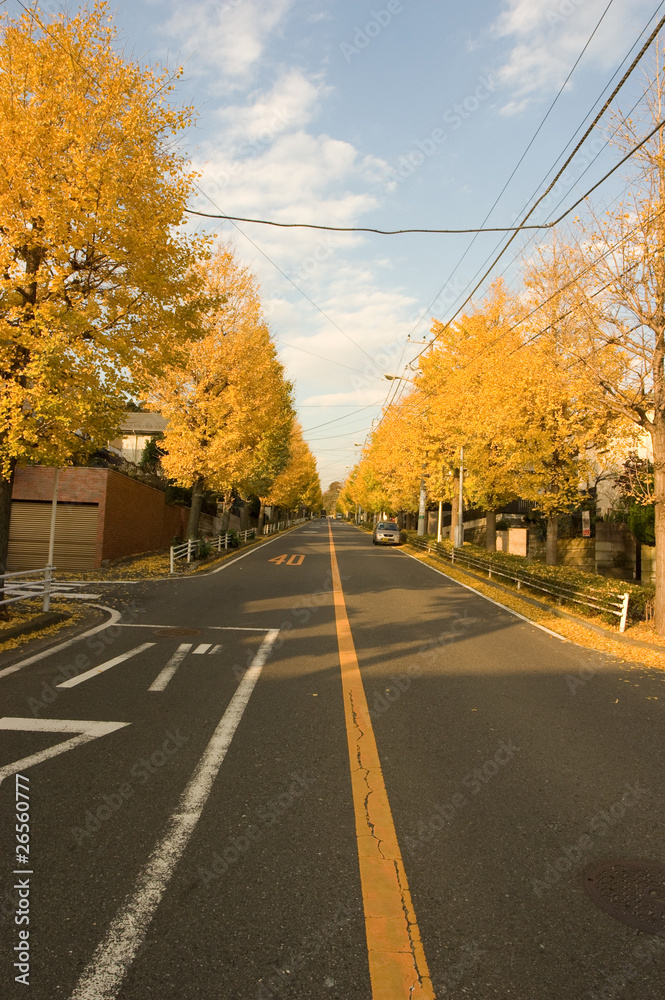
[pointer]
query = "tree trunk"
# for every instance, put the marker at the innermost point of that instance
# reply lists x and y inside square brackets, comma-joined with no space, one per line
[490,530]
[552,539]
[195,509]
[262,517]
[5,514]
[226,511]
[244,516]
[658,443]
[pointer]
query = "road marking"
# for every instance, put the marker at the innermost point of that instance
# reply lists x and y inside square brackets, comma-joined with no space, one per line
[292,561]
[289,560]
[504,607]
[203,648]
[203,628]
[162,679]
[102,979]
[85,731]
[397,964]
[73,681]
[115,615]
[216,649]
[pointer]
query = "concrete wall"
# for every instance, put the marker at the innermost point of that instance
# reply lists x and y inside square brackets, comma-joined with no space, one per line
[648,564]
[615,551]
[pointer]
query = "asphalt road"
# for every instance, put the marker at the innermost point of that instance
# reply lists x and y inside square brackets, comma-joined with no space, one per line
[207,845]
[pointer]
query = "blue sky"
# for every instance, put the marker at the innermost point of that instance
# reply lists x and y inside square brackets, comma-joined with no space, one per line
[396,114]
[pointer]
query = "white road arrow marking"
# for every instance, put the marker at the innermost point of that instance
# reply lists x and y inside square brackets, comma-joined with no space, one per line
[85,731]
[73,681]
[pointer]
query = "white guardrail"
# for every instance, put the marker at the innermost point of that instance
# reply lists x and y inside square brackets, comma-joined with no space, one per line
[271,529]
[593,599]
[187,550]
[25,589]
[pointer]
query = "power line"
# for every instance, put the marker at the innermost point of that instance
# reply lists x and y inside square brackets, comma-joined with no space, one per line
[396,388]
[330,361]
[555,179]
[561,170]
[343,417]
[395,232]
[555,222]
[563,288]
[331,437]
[290,280]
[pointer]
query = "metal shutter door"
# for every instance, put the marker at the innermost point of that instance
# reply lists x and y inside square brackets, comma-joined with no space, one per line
[75,535]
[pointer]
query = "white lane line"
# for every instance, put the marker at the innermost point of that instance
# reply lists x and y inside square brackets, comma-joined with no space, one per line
[113,620]
[473,590]
[162,679]
[239,628]
[203,628]
[202,648]
[73,681]
[102,979]
[216,649]
[85,731]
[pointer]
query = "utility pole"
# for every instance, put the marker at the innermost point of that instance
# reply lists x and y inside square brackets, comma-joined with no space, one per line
[438,527]
[422,507]
[48,575]
[459,541]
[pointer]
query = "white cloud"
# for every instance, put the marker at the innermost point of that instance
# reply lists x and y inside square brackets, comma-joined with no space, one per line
[228,36]
[292,102]
[547,36]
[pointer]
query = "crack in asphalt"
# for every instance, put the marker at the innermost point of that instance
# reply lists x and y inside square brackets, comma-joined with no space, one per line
[365,773]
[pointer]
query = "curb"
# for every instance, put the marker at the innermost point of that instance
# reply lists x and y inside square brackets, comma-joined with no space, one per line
[35,625]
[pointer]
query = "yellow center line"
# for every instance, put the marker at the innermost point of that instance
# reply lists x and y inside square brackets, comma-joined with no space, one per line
[397,965]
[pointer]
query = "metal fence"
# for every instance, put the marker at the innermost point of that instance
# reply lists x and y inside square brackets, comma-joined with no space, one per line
[271,529]
[39,585]
[617,605]
[189,549]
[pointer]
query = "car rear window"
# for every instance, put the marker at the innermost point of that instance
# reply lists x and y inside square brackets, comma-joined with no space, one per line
[388,524]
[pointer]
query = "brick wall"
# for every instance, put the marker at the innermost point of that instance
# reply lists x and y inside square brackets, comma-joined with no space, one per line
[132,517]
[35,482]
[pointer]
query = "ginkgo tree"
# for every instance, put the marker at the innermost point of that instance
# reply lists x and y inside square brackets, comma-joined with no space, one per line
[298,484]
[96,277]
[227,403]
[565,428]
[617,271]
[471,406]
[387,477]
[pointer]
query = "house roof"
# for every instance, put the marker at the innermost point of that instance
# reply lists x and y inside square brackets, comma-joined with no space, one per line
[142,423]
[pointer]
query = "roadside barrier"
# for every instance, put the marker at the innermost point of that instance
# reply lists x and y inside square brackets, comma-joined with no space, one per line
[27,589]
[617,605]
[188,549]
[271,529]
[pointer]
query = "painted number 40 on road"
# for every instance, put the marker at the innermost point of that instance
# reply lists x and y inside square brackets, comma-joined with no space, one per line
[289,560]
